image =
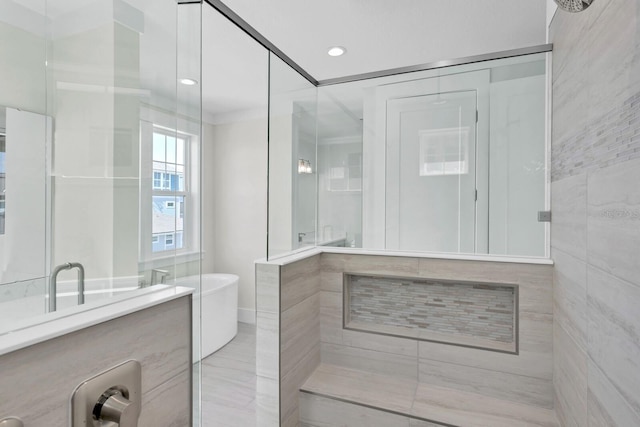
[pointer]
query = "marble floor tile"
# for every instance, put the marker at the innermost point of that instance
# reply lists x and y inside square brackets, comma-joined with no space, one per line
[229,382]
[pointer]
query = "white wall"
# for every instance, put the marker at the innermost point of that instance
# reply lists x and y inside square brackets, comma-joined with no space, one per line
[234,221]
[22,75]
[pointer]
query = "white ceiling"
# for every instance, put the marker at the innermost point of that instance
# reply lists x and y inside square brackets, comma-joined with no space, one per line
[385,34]
[235,70]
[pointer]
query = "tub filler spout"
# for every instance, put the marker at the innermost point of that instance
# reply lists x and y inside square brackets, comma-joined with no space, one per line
[53,284]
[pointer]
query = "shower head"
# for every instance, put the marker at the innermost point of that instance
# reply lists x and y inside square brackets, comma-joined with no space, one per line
[573,5]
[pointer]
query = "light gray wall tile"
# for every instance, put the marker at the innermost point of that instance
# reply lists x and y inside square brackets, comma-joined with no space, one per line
[567,89]
[291,382]
[569,210]
[536,332]
[570,296]
[569,51]
[332,263]
[614,332]
[534,281]
[331,281]
[514,388]
[383,343]
[420,423]
[535,358]
[331,317]
[267,288]
[606,407]
[614,65]
[299,280]
[605,157]
[614,220]
[267,402]
[299,332]
[268,345]
[42,377]
[292,420]
[377,264]
[154,408]
[371,361]
[320,411]
[570,379]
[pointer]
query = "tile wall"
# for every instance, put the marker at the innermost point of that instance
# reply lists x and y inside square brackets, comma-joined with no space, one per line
[308,313]
[454,309]
[525,377]
[288,337]
[37,382]
[595,234]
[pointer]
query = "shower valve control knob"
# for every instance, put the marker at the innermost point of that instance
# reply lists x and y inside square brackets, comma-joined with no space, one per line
[115,406]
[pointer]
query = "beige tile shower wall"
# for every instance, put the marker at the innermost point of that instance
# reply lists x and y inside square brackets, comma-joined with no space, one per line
[299,332]
[267,345]
[525,377]
[37,382]
[595,234]
[288,336]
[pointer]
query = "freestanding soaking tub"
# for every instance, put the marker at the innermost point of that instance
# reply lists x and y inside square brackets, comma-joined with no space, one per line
[217,303]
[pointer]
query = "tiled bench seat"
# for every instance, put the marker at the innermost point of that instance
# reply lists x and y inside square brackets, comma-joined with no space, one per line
[337,396]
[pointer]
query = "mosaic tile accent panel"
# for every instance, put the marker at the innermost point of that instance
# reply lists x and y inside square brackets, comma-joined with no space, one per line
[477,310]
[612,139]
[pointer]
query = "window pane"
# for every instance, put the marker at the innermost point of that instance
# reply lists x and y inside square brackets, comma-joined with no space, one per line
[159,154]
[180,184]
[171,149]
[168,223]
[157,181]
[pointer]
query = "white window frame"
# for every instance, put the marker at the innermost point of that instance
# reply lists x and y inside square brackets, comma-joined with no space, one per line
[190,236]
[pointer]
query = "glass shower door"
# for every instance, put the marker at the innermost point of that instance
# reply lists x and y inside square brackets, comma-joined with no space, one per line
[431,172]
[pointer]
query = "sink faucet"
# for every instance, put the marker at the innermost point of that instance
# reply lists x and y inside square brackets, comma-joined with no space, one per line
[53,284]
[154,276]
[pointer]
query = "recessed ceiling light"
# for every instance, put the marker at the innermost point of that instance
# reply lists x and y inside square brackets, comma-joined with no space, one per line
[337,51]
[188,82]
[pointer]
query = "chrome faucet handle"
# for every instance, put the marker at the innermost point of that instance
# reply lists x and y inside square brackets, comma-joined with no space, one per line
[116,407]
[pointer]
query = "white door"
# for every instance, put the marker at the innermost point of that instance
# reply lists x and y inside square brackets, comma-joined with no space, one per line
[436,166]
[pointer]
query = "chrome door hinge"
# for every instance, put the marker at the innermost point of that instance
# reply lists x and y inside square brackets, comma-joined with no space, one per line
[544,216]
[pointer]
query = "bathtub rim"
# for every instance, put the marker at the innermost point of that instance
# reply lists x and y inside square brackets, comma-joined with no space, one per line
[46,327]
[230,279]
